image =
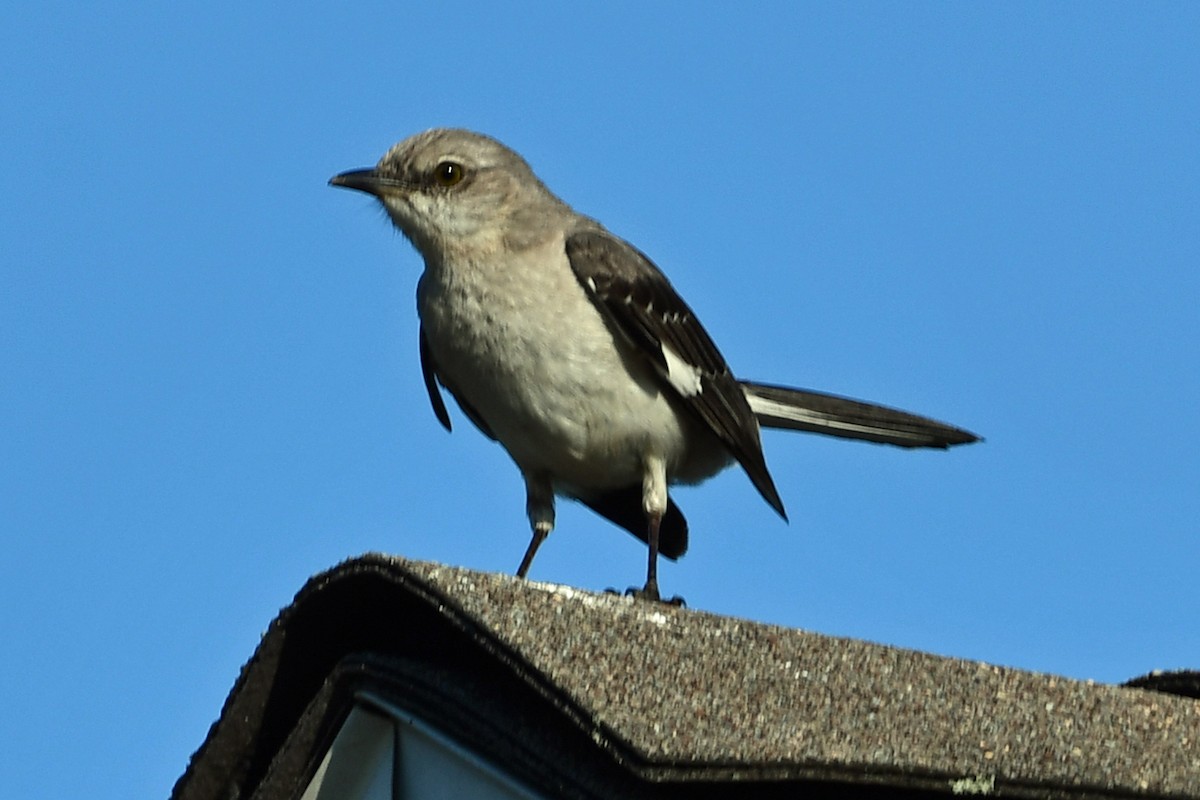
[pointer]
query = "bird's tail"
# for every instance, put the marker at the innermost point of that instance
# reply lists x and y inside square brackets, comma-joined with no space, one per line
[816,412]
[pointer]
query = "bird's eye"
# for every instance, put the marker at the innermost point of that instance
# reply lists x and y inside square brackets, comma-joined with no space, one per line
[448,173]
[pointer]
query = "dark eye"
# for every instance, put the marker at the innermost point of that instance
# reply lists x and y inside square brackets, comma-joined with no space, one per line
[448,173]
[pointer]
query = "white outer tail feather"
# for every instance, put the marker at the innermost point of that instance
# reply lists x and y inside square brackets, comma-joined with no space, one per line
[817,412]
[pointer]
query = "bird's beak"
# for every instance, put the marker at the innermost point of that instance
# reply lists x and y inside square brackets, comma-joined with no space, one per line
[369,181]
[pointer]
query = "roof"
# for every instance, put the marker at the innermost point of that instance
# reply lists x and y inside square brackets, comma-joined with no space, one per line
[668,702]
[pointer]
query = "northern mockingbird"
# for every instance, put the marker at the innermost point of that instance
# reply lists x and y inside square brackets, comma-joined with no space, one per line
[568,346]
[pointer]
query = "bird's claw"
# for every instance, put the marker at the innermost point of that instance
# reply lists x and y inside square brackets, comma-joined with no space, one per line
[650,593]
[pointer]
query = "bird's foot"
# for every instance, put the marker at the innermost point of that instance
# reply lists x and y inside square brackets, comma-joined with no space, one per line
[650,592]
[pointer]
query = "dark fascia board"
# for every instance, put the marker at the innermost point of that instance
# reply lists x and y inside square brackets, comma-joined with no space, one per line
[681,700]
[515,730]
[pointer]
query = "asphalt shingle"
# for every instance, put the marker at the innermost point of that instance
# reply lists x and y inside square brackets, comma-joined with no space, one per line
[685,698]
[691,688]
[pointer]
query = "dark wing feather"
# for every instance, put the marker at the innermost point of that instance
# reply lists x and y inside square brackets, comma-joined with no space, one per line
[641,303]
[429,372]
[430,375]
[623,507]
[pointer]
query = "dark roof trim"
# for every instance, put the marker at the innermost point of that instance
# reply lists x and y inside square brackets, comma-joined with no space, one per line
[364,606]
[370,624]
[376,622]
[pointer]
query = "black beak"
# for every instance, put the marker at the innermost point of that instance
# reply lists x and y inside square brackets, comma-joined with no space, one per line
[364,180]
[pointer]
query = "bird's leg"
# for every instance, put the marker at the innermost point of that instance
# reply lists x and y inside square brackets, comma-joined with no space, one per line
[650,591]
[539,505]
[654,504]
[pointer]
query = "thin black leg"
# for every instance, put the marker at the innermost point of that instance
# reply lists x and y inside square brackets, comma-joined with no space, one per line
[539,536]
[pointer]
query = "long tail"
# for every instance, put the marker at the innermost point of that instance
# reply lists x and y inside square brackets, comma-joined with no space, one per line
[816,412]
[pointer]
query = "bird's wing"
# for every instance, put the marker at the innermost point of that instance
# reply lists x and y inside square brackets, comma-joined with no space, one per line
[641,303]
[430,374]
[817,412]
[432,379]
[623,507]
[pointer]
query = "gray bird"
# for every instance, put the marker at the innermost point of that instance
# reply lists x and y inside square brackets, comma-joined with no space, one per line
[568,346]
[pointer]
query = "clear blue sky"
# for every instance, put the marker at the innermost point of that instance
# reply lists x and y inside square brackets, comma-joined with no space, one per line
[209,389]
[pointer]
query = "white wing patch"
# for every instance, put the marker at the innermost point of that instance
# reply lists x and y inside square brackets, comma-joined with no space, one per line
[682,376]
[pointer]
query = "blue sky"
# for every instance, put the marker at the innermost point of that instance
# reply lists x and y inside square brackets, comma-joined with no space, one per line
[987,213]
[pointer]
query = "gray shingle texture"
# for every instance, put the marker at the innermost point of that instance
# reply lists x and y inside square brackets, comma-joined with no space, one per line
[691,690]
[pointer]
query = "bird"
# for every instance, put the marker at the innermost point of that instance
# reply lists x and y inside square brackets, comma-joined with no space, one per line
[570,347]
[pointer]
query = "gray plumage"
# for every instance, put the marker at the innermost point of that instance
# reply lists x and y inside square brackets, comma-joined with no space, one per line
[571,348]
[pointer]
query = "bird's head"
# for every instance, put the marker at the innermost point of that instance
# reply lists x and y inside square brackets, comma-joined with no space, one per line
[448,188]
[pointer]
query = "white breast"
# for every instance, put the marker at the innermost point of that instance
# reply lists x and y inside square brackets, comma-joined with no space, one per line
[524,346]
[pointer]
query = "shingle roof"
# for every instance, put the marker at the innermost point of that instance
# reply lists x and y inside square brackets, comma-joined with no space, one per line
[681,697]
